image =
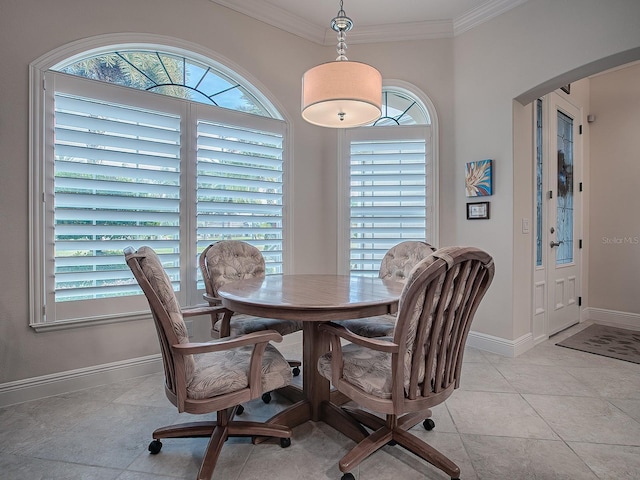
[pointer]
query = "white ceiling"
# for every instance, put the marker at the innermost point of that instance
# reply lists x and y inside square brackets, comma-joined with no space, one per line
[374,20]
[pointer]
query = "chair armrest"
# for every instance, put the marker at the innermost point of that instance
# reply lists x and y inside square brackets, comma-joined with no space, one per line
[225,320]
[211,299]
[372,343]
[227,343]
[202,310]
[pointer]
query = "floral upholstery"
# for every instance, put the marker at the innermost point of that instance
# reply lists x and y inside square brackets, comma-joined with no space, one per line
[161,284]
[231,260]
[401,258]
[243,324]
[370,370]
[372,327]
[395,265]
[367,369]
[215,373]
[228,371]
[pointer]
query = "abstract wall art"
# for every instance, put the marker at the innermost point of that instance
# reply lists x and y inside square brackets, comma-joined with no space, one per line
[478,178]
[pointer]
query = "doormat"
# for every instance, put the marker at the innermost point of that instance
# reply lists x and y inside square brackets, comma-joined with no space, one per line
[607,341]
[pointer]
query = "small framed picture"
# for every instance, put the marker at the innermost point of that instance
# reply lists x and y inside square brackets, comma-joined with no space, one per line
[478,211]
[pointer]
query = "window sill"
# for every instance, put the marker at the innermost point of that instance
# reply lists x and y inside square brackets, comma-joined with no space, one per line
[88,322]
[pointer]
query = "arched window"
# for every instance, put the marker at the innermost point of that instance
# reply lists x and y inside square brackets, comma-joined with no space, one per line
[391,166]
[400,107]
[168,74]
[156,146]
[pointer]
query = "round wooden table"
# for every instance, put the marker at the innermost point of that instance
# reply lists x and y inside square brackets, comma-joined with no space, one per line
[312,299]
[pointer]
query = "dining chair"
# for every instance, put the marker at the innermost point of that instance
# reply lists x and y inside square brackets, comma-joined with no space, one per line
[395,265]
[203,378]
[403,376]
[229,260]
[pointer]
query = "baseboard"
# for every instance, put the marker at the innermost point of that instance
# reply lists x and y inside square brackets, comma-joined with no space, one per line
[500,346]
[58,383]
[79,379]
[488,343]
[612,317]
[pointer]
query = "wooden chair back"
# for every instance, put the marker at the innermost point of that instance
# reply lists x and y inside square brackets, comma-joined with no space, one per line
[438,303]
[167,317]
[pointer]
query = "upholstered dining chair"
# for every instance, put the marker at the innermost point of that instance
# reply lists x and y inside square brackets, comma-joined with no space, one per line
[229,260]
[396,265]
[202,378]
[403,376]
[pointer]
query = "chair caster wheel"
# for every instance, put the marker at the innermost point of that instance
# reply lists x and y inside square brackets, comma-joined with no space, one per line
[429,425]
[266,397]
[239,410]
[285,442]
[348,476]
[296,371]
[155,446]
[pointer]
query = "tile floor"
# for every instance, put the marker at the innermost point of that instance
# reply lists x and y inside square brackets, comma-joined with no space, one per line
[551,413]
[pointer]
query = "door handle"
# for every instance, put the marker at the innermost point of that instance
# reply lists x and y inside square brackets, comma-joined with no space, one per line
[555,244]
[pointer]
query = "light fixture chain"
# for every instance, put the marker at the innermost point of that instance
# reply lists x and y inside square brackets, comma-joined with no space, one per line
[341,24]
[342,46]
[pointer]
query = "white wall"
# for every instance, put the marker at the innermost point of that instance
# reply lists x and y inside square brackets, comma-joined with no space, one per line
[614,256]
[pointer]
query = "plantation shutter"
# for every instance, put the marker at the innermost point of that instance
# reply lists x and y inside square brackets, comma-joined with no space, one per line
[117,183]
[116,166]
[388,197]
[239,185]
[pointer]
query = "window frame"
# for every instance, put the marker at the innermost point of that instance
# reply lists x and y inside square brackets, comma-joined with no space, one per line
[41,151]
[344,175]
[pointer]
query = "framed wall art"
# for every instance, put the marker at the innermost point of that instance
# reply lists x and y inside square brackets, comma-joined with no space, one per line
[478,178]
[478,211]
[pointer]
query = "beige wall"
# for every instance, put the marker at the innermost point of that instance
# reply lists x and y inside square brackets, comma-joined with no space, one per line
[471,79]
[273,57]
[614,256]
[531,50]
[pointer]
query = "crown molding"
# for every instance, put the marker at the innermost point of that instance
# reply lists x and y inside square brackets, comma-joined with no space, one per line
[277,17]
[482,14]
[285,20]
[394,32]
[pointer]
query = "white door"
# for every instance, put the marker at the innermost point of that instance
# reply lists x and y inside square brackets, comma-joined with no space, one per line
[558,225]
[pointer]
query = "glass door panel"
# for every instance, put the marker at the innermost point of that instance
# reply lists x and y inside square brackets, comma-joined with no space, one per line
[564,201]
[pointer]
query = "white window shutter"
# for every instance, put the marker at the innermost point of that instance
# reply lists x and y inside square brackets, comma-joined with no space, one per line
[117,183]
[388,197]
[239,186]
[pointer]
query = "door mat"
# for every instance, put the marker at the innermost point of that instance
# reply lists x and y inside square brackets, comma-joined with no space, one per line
[607,341]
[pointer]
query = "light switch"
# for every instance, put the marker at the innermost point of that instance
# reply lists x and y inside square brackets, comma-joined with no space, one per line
[525,225]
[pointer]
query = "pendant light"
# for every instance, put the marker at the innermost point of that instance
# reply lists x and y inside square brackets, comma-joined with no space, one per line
[341,94]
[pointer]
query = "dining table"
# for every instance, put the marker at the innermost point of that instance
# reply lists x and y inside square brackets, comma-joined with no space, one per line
[313,299]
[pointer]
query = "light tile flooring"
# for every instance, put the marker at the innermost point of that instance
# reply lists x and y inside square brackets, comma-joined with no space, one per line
[551,413]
